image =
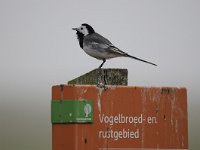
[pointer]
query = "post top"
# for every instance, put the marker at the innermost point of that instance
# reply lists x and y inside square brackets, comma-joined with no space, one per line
[107,76]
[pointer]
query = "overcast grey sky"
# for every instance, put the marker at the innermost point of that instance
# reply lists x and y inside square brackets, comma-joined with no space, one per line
[38,49]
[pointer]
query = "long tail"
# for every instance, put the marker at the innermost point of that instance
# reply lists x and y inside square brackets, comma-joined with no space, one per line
[141,60]
[119,52]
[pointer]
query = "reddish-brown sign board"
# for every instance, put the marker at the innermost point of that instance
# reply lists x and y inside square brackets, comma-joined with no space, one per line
[124,118]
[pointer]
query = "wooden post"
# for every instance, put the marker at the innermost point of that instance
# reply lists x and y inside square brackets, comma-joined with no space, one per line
[88,117]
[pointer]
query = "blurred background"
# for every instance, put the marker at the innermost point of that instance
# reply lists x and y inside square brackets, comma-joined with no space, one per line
[38,49]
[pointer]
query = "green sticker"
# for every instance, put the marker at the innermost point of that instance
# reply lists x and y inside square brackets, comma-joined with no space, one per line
[71,111]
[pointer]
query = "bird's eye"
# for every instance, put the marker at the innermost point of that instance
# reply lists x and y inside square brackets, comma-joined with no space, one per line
[81,28]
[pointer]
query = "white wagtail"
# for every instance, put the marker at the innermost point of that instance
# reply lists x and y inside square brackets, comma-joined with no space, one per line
[98,46]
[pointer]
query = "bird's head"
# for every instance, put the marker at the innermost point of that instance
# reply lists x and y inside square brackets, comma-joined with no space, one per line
[84,29]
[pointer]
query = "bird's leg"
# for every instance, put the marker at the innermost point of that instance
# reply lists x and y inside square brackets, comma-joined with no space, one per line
[104,60]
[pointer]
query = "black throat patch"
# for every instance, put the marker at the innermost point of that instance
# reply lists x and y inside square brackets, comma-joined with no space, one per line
[80,37]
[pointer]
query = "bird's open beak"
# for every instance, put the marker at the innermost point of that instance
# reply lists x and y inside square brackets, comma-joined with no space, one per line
[76,29]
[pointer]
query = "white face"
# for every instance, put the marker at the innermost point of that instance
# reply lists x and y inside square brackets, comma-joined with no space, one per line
[83,30]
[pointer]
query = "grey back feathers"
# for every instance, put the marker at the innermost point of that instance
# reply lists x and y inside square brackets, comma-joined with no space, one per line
[96,39]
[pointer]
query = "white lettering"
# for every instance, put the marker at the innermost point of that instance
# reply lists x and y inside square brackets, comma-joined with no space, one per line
[122,119]
[119,134]
[151,120]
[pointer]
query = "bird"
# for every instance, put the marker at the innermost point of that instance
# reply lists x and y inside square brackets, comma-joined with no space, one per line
[98,46]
